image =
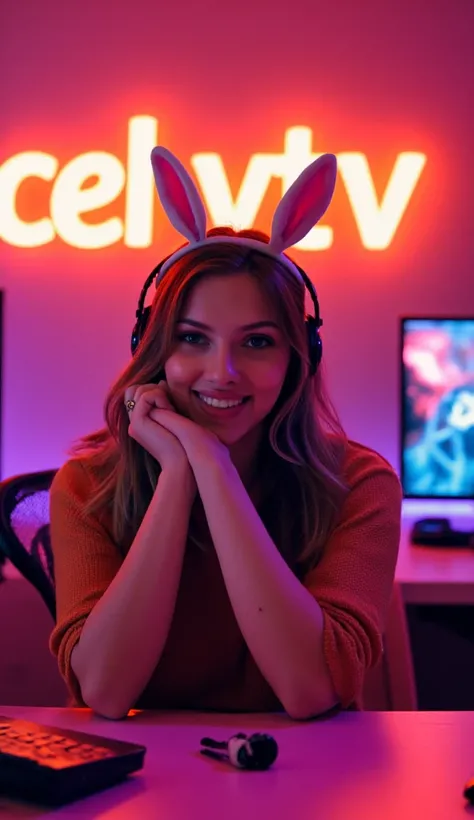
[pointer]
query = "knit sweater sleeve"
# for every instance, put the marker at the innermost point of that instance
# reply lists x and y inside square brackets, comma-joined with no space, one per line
[85,562]
[353,581]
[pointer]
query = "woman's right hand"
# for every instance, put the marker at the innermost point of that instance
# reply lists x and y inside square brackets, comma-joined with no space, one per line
[160,443]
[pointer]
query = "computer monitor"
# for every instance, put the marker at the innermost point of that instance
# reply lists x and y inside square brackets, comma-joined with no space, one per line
[437,403]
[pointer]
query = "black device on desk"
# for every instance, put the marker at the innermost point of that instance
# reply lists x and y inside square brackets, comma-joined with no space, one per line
[437,532]
[52,766]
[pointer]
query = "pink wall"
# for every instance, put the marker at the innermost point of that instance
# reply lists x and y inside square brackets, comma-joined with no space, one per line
[232,82]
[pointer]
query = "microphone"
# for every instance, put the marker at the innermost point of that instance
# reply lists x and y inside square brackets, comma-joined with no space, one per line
[255,752]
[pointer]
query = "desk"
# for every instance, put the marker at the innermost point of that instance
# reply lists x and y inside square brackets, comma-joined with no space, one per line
[433,575]
[429,576]
[352,766]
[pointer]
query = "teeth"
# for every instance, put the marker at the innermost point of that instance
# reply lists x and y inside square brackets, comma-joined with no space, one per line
[219,402]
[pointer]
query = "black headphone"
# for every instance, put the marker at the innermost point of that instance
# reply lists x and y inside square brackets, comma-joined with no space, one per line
[313,323]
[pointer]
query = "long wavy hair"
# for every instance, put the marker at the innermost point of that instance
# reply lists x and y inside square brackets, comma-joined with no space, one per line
[301,456]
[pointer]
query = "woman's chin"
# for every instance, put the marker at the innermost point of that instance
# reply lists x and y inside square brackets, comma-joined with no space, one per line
[229,441]
[248,436]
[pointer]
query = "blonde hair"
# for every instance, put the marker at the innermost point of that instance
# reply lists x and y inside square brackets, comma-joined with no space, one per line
[302,452]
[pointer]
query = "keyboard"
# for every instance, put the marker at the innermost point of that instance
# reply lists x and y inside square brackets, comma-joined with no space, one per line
[52,766]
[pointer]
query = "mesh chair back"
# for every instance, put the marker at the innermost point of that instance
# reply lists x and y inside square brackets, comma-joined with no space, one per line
[24,530]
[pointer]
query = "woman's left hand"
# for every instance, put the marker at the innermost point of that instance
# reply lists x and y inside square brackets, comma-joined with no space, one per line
[200,444]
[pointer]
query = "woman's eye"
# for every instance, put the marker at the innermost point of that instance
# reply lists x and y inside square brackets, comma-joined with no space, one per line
[260,341]
[190,338]
[256,342]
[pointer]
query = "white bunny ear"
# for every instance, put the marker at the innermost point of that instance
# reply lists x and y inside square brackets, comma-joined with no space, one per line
[179,195]
[304,203]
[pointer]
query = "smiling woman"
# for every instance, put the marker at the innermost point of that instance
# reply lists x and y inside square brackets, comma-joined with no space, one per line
[226,372]
[220,544]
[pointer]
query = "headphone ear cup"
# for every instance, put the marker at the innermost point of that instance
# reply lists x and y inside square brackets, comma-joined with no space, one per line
[135,337]
[139,329]
[315,344]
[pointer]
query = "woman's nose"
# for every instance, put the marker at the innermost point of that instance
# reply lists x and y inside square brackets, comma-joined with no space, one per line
[222,365]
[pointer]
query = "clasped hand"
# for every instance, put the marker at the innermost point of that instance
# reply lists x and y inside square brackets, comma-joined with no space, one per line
[165,433]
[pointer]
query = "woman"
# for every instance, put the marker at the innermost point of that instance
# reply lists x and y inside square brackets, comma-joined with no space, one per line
[221,545]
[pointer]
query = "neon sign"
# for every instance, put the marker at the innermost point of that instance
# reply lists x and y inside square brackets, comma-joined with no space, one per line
[377,221]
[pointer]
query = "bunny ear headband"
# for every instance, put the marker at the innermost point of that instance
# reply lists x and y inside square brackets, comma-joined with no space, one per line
[303,205]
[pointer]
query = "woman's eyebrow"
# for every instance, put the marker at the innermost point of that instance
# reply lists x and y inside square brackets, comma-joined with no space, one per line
[252,326]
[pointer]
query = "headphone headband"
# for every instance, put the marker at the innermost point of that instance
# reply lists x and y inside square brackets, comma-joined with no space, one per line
[313,323]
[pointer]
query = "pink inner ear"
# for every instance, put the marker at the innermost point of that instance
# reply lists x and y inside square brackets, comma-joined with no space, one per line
[174,192]
[311,202]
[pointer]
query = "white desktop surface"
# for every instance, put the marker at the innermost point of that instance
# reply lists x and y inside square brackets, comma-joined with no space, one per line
[436,575]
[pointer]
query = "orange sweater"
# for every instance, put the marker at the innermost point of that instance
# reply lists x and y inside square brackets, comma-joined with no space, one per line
[206,663]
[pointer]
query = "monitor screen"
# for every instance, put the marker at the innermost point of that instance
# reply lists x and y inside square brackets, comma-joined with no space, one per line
[437,436]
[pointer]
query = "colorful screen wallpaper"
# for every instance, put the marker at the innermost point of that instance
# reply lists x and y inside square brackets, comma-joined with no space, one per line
[438,408]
